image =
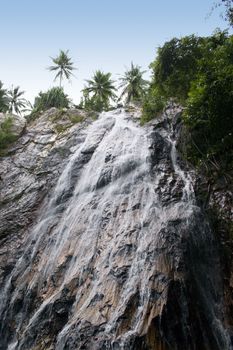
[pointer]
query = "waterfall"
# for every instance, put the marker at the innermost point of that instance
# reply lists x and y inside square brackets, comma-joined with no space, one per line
[120,228]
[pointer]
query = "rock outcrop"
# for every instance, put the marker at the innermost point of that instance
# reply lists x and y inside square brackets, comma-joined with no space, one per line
[103,244]
[18,123]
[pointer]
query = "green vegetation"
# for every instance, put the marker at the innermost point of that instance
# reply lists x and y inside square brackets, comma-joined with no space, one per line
[197,73]
[176,65]
[153,104]
[6,136]
[3,99]
[63,66]
[60,128]
[15,100]
[65,118]
[70,119]
[76,118]
[133,84]
[209,113]
[58,115]
[54,97]
[228,5]
[99,92]
[173,71]
[11,101]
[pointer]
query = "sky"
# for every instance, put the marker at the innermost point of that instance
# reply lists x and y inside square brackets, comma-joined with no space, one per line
[99,34]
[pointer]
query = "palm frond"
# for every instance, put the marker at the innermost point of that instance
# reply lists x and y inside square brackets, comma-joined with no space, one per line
[133,83]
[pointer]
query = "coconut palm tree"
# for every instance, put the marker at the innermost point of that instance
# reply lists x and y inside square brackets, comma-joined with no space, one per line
[133,84]
[28,108]
[100,90]
[63,66]
[4,102]
[16,102]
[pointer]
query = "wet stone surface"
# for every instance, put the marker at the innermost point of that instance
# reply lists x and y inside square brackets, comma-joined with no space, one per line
[103,245]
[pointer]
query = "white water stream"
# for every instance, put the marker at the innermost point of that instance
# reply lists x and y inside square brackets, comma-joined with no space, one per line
[110,223]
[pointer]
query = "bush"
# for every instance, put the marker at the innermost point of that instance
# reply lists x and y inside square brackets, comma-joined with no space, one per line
[54,97]
[6,136]
[95,104]
[153,104]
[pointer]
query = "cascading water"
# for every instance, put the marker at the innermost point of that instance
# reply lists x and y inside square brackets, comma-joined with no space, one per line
[119,250]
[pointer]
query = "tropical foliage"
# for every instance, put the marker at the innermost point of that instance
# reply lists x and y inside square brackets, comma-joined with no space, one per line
[228,5]
[209,113]
[176,66]
[63,66]
[153,104]
[3,99]
[11,101]
[54,97]
[6,136]
[98,93]
[15,100]
[198,73]
[133,84]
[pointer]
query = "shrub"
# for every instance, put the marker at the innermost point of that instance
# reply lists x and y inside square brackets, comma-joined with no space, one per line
[153,104]
[6,136]
[54,97]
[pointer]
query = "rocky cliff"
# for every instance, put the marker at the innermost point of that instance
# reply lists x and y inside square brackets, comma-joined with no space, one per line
[104,244]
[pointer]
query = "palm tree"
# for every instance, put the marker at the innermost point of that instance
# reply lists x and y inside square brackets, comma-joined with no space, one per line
[63,65]
[133,84]
[15,100]
[4,102]
[28,107]
[100,90]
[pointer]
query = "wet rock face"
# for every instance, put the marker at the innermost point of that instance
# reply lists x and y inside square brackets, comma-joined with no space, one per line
[214,192]
[103,243]
[27,174]
[219,206]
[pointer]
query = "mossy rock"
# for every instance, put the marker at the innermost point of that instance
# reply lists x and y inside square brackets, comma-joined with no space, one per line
[60,128]
[76,118]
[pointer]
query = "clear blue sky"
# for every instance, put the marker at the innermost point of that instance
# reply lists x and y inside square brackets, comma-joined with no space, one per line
[100,34]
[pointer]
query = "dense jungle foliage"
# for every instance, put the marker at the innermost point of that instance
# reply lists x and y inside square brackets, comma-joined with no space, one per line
[197,72]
